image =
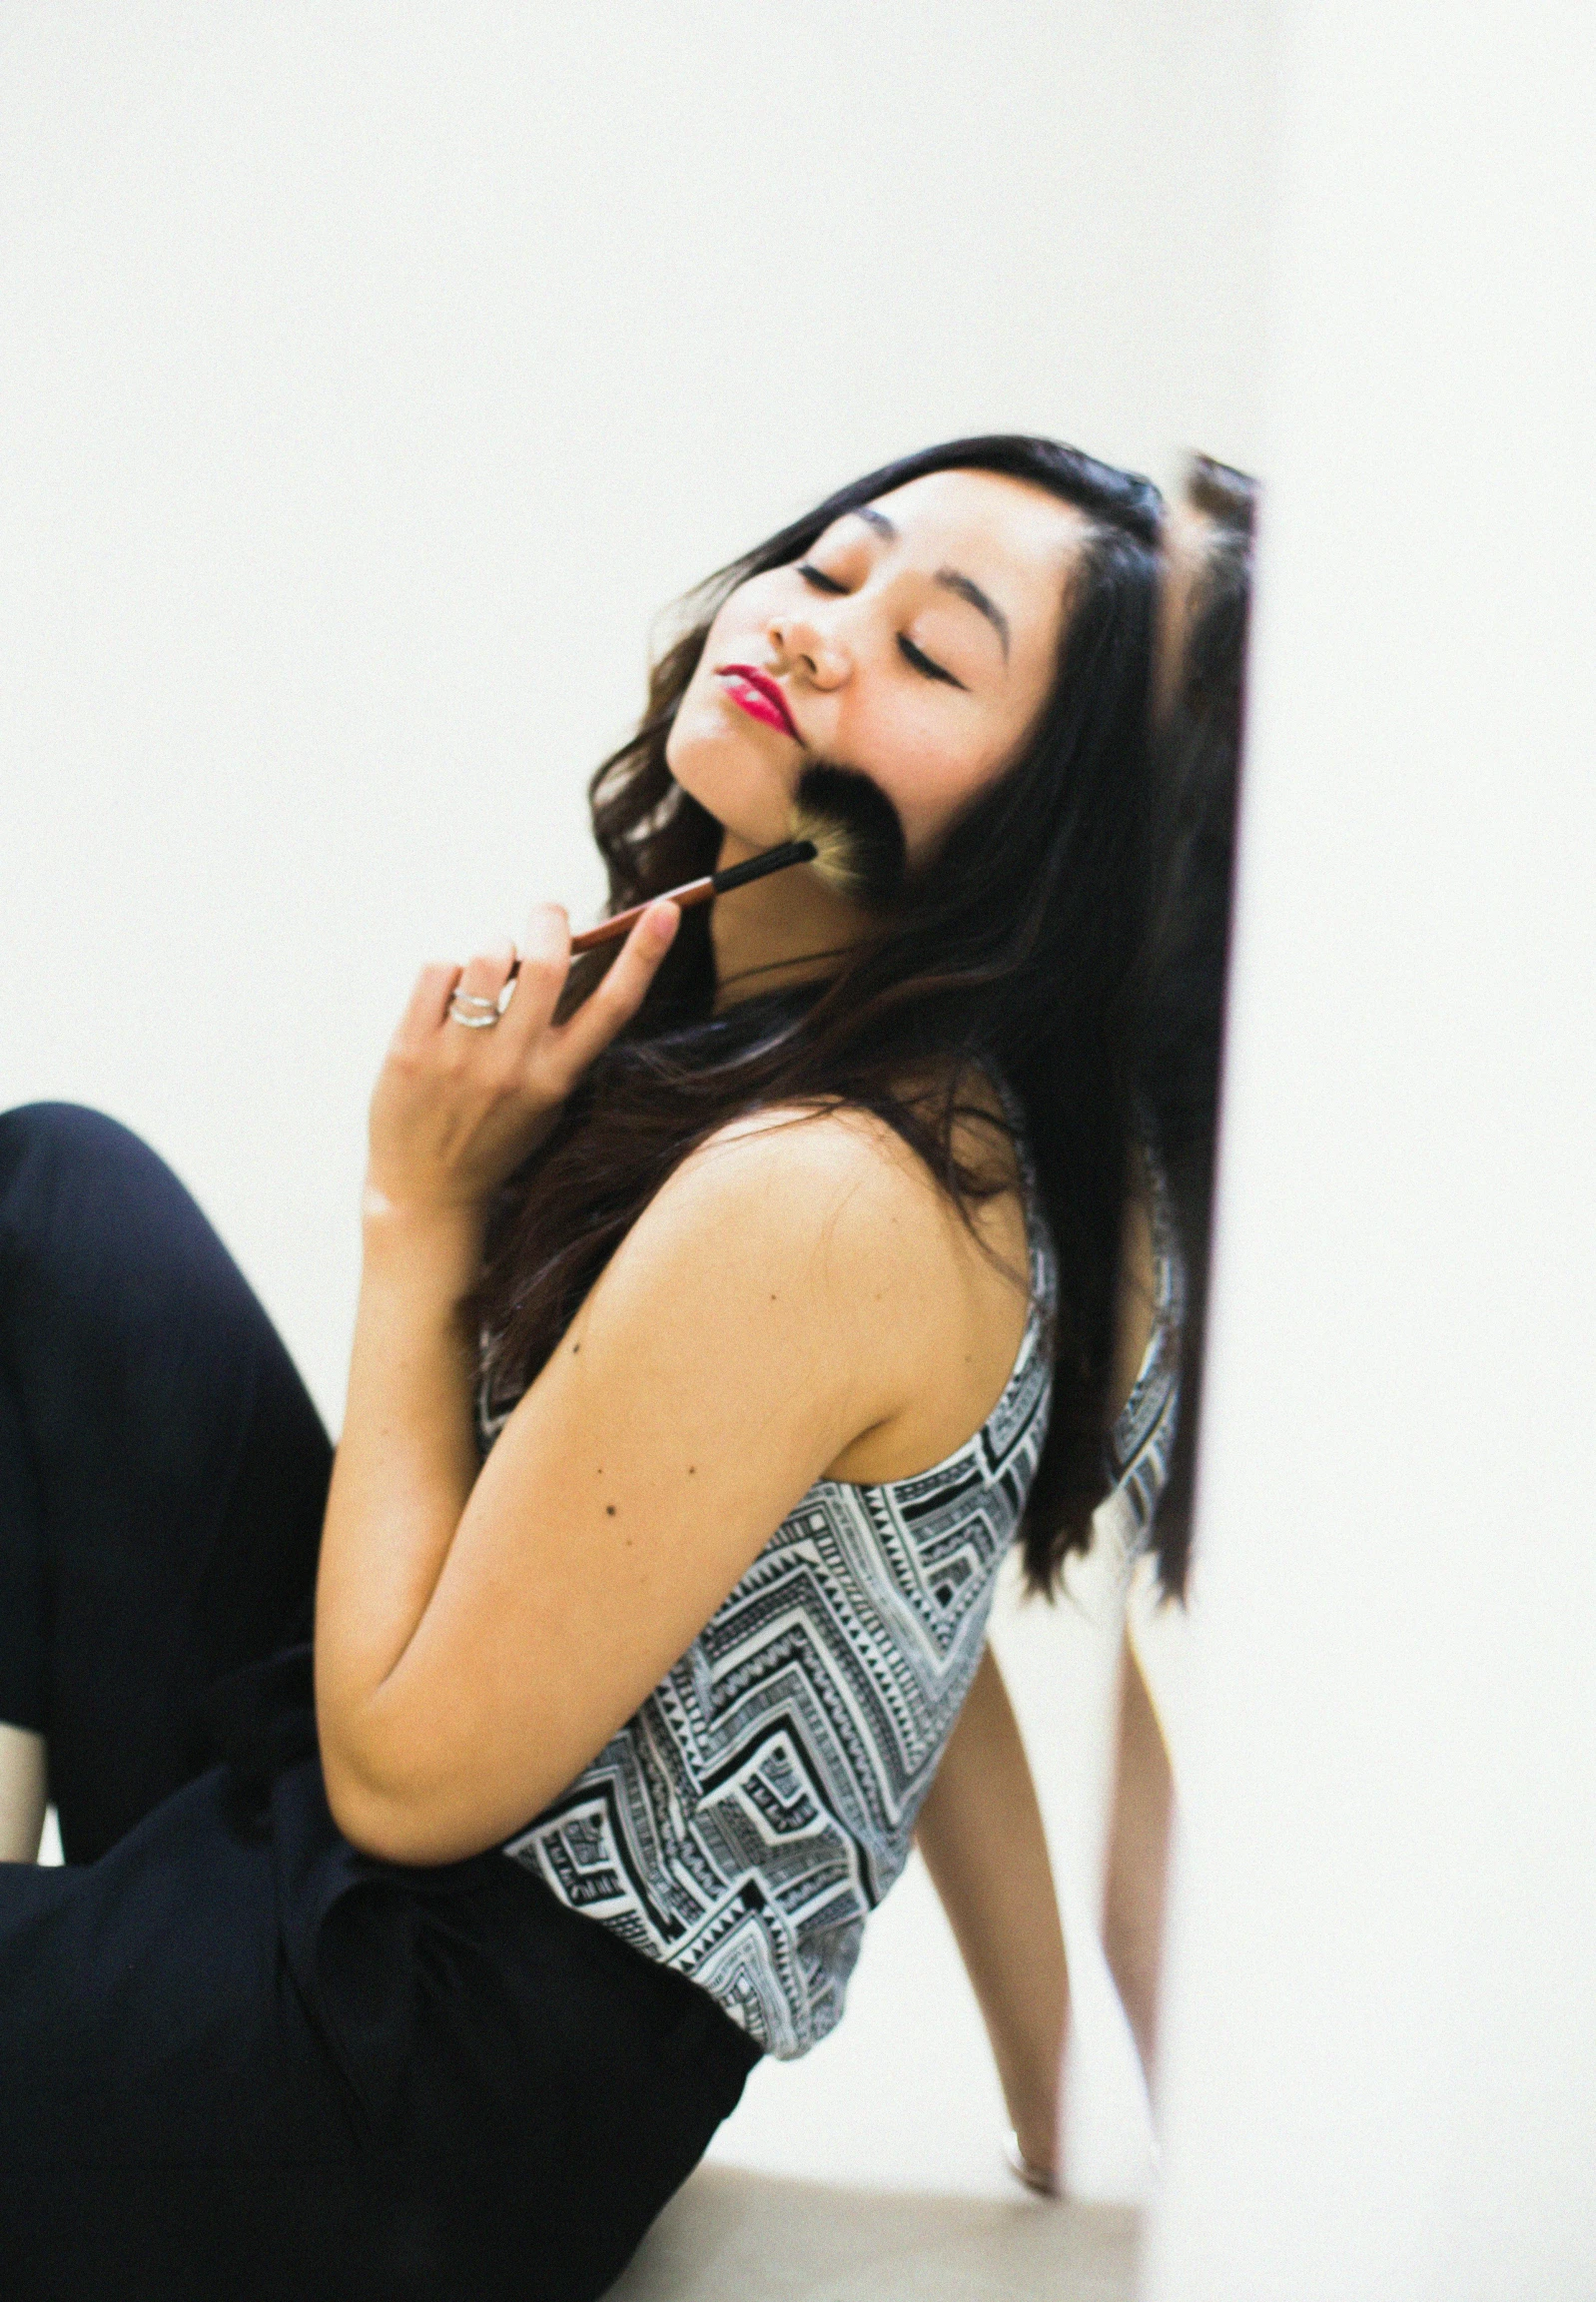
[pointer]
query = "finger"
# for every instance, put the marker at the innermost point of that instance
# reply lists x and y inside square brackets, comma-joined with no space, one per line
[483,978]
[622,990]
[546,957]
[428,1002]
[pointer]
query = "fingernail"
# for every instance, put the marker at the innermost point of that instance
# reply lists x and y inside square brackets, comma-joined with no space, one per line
[662,922]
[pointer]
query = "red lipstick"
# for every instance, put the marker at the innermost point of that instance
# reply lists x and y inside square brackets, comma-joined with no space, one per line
[759,696]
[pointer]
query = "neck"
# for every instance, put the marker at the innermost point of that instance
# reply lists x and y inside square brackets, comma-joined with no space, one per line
[790,928]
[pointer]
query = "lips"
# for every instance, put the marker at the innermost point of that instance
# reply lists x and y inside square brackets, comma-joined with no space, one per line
[759,696]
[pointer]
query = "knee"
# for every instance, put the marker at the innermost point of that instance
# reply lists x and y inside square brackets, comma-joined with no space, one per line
[51,1139]
[71,1130]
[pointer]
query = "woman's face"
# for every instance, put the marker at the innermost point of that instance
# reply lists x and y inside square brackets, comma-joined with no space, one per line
[916,641]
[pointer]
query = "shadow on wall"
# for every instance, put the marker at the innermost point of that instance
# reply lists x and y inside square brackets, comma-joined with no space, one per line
[734,2236]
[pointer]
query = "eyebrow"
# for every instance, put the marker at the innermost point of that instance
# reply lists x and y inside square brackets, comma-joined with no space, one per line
[964,587]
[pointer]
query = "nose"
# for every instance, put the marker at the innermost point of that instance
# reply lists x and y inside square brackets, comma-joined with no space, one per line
[811,646]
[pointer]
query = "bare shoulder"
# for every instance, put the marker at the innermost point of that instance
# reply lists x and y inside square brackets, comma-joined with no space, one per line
[921,1313]
[840,1172]
[832,1184]
[936,1302]
[852,1233]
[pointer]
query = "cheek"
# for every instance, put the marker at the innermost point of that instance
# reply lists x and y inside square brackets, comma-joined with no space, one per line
[929,778]
[698,712]
[734,635]
[742,617]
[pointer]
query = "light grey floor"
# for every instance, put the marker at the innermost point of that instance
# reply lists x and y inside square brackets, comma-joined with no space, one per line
[736,2236]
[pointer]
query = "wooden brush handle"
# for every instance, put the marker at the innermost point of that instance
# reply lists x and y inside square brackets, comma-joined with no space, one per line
[694,891]
[611,930]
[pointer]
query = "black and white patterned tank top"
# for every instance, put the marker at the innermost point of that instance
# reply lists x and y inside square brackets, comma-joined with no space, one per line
[747,1819]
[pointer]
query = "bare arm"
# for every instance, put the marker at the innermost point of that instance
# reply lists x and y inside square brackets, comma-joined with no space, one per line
[482,1634]
[980,1831]
[1138,1853]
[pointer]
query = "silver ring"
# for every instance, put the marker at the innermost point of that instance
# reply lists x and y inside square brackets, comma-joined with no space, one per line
[484,1017]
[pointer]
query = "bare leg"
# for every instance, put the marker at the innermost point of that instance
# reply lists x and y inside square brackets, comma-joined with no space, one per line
[23,1793]
[1138,1856]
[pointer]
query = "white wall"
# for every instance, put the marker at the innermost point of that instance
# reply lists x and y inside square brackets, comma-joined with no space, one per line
[374,373]
[1381,2076]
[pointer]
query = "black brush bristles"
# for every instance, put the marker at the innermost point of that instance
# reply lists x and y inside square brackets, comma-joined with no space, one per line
[856,831]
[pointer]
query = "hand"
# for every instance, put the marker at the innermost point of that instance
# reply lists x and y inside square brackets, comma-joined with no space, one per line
[1033,2148]
[1032,2162]
[455,1111]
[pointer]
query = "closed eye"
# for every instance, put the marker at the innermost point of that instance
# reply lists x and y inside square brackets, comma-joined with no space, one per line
[911,654]
[821,582]
[922,662]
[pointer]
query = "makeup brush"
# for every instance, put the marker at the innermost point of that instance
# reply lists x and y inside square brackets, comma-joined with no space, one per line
[841,822]
[856,831]
[696,891]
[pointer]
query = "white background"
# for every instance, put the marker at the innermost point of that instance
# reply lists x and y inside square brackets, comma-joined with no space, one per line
[373,376]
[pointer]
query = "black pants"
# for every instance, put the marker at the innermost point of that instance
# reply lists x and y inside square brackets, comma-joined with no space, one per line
[237,2057]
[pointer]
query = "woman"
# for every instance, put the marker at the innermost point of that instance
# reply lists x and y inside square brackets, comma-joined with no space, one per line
[712,1311]
[1199,682]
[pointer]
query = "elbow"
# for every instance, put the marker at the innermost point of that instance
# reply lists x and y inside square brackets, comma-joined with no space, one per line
[391,1820]
[421,1792]
[413,1821]
[391,1831]
[372,1820]
[375,1807]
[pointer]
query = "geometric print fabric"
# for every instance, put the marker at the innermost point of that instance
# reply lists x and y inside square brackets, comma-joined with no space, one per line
[747,1819]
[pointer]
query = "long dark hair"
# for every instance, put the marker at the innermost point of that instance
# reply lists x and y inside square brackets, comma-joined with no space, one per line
[1013,948]
[1179,1002]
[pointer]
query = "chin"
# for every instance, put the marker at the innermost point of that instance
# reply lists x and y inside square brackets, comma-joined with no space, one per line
[731,779]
